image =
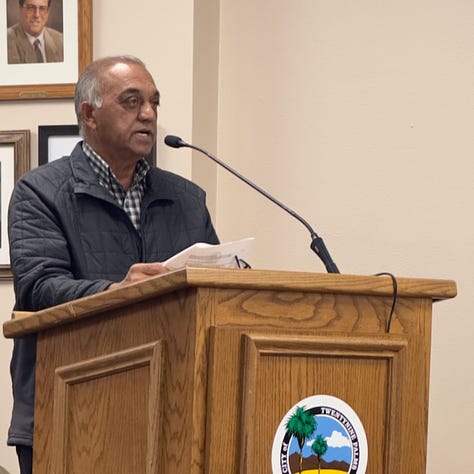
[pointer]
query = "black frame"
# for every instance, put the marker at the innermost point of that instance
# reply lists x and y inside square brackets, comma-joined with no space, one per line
[46,132]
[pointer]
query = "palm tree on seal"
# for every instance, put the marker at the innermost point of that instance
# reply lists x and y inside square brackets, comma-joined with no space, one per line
[319,447]
[301,425]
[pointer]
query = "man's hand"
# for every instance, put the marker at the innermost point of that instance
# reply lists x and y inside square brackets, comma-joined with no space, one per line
[139,272]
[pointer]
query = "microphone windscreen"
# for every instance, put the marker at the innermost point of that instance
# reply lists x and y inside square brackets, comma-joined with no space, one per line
[174,141]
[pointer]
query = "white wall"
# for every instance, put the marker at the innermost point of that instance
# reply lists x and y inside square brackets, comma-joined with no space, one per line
[355,114]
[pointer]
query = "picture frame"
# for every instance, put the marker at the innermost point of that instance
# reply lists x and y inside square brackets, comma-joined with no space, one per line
[14,162]
[55,141]
[53,80]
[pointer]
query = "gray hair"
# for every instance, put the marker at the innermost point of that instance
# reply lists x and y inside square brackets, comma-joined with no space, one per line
[89,87]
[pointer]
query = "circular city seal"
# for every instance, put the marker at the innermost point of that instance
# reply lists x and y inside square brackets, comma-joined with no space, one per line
[321,433]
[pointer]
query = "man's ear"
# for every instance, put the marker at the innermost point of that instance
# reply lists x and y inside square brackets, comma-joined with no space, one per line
[88,115]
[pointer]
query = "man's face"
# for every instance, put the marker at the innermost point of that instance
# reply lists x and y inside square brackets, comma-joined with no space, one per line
[125,125]
[34,15]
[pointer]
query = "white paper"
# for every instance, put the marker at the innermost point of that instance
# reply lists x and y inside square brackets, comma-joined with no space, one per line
[208,255]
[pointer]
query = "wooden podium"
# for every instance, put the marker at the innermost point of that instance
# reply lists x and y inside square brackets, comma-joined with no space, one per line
[192,372]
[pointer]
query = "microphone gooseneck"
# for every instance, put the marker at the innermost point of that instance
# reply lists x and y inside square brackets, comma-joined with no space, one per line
[317,243]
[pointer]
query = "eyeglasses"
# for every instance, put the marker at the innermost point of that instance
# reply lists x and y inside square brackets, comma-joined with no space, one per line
[31,9]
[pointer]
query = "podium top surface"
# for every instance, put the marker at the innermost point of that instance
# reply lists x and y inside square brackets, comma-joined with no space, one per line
[189,277]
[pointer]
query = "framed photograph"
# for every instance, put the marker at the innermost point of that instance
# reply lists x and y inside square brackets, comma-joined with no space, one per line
[55,141]
[14,161]
[50,68]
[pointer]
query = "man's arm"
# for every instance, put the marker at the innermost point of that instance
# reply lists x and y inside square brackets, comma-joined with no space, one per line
[39,253]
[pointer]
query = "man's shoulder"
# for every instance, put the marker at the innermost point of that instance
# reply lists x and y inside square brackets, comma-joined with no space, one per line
[15,31]
[49,176]
[19,48]
[54,34]
[167,181]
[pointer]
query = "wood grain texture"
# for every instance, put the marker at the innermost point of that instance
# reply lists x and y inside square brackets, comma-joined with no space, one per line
[229,278]
[339,365]
[317,344]
[102,403]
[233,351]
[88,347]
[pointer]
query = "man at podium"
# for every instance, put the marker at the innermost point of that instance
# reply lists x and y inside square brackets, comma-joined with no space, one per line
[98,219]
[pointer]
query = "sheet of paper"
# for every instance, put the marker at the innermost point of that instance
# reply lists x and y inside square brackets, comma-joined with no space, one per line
[207,255]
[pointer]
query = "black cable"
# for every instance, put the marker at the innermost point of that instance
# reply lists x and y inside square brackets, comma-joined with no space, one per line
[394,298]
[241,263]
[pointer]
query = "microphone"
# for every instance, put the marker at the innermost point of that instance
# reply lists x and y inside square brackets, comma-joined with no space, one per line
[317,243]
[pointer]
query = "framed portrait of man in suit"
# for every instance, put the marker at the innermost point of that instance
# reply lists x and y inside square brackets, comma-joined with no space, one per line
[46,44]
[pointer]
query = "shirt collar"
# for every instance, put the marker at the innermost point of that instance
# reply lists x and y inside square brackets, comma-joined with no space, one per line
[103,172]
[32,38]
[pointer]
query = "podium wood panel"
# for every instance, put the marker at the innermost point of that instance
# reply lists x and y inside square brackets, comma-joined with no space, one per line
[95,400]
[92,341]
[193,371]
[335,364]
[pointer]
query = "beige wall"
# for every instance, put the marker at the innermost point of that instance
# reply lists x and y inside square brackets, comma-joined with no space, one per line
[359,115]
[355,114]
